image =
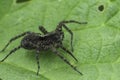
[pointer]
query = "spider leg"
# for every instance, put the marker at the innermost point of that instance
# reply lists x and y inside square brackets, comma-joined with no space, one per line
[14,38]
[12,51]
[62,23]
[59,28]
[68,52]
[71,33]
[38,63]
[65,60]
[43,30]
[37,56]
[72,21]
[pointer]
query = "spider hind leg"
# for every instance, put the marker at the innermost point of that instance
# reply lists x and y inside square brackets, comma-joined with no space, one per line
[65,60]
[13,39]
[12,51]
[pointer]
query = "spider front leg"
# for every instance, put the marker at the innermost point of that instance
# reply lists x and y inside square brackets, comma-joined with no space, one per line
[38,63]
[59,28]
[43,30]
[62,24]
[72,21]
[65,60]
[14,38]
[12,51]
[71,33]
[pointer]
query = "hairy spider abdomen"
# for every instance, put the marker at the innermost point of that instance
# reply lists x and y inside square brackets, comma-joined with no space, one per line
[28,41]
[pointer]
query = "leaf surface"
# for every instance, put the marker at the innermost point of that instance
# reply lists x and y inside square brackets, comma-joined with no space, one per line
[96,44]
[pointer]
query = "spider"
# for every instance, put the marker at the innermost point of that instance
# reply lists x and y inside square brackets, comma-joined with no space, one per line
[46,41]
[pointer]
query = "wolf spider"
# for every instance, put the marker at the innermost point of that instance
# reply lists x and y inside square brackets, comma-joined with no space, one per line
[48,40]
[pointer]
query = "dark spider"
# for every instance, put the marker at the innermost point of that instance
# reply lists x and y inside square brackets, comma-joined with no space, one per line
[50,40]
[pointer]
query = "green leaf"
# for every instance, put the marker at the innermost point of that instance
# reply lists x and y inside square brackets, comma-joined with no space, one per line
[96,44]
